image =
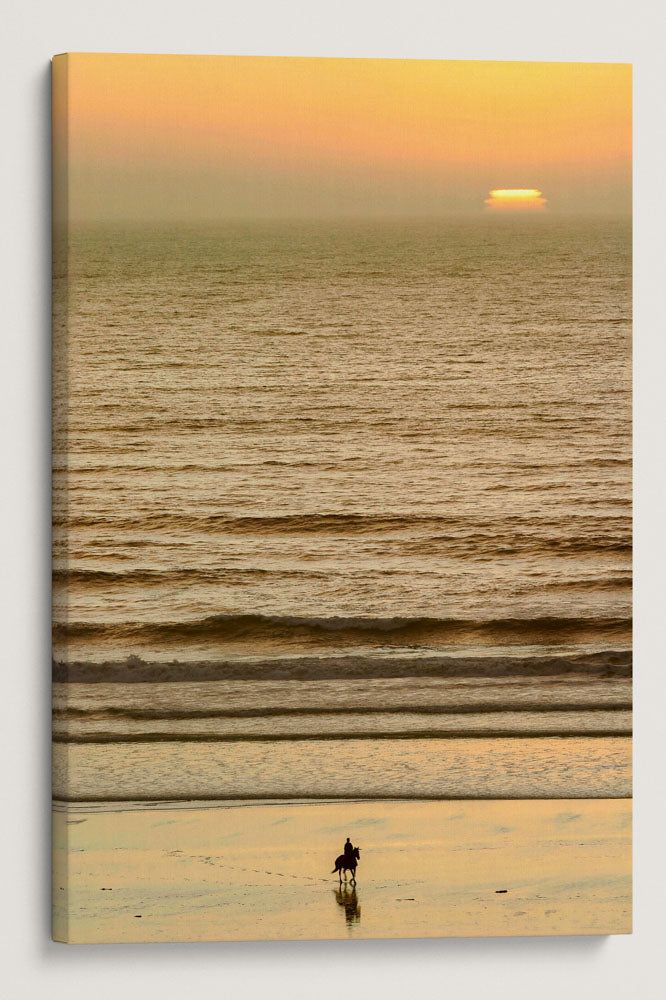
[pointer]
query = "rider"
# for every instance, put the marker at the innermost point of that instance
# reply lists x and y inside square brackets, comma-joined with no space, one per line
[348,850]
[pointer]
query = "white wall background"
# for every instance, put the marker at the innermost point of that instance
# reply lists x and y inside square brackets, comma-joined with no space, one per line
[32,31]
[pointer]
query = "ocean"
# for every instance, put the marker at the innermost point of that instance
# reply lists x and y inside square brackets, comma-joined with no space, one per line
[343,510]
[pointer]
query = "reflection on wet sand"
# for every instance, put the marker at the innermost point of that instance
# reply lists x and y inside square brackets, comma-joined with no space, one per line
[430,869]
[346,896]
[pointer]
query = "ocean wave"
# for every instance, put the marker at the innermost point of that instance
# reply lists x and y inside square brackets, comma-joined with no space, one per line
[578,534]
[609,663]
[346,630]
[622,582]
[295,737]
[188,575]
[146,577]
[491,708]
[250,524]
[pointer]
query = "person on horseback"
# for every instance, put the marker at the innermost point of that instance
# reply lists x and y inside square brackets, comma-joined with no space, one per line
[347,862]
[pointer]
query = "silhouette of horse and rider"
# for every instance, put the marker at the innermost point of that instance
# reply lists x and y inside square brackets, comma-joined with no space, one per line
[348,861]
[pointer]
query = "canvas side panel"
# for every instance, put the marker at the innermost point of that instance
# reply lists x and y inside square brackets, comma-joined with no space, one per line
[60,298]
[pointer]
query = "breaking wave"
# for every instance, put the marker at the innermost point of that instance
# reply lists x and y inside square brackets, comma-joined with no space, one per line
[610,663]
[349,630]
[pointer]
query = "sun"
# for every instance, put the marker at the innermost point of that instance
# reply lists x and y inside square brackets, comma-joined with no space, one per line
[516,199]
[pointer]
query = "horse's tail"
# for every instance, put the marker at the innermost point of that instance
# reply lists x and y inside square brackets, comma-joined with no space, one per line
[334,871]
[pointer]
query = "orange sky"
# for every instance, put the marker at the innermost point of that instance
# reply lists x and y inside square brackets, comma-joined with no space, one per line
[215,137]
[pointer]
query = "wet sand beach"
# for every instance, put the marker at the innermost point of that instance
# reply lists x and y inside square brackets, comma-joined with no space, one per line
[244,871]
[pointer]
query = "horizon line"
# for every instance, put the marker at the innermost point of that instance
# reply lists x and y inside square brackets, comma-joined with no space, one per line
[342,218]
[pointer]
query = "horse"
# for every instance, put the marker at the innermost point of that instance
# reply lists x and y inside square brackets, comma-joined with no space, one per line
[347,863]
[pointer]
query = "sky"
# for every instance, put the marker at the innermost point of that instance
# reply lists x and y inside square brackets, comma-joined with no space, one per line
[211,138]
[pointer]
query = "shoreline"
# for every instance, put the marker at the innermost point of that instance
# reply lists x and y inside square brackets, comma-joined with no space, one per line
[123,805]
[248,870]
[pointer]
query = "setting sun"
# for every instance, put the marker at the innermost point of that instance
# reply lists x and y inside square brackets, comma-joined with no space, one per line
[513,199]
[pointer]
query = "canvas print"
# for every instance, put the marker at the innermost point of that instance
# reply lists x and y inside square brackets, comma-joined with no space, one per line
[341,497]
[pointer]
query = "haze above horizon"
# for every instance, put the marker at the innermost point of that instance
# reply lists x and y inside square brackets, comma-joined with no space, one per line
[210,138]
